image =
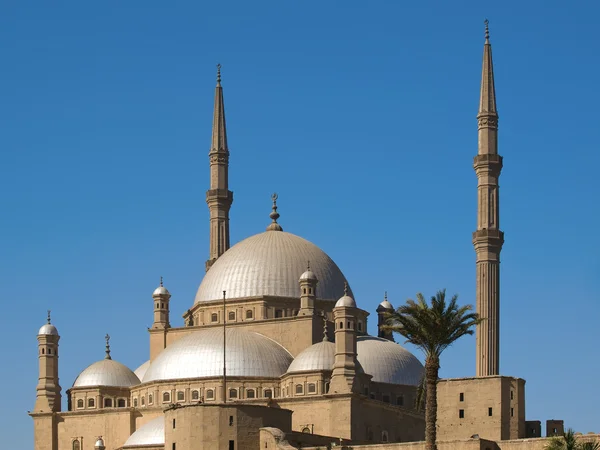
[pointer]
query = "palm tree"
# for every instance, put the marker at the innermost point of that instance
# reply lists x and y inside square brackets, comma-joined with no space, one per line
[433,329]
[569,442]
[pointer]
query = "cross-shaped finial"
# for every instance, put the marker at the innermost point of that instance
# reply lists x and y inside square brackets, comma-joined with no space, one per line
[107,338]
[48,316]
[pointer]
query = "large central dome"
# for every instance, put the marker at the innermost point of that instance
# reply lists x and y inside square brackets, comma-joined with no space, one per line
[270,263]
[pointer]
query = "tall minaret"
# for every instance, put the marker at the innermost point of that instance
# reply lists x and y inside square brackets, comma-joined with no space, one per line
[488,238]
[48,396]
[219,198]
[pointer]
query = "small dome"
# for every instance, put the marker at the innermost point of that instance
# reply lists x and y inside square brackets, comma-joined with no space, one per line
[268,264]
[151,434]
[161,290]
[200,354]
[106,372]
[141,371]
[308,275]
[386,304]
[388,362]
[347,301]
[99,443]
[48,329]
[319,356]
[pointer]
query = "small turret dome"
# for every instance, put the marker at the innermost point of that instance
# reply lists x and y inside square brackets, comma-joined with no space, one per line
[48,328]
[160,291]
[319,356]
[308,275]
[150,434]
[346,300]
[386,305]
[99,445]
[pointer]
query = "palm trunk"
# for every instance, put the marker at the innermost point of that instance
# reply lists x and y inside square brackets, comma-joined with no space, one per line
[432,367]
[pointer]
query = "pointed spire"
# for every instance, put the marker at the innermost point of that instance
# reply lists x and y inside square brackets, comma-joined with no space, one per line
[274,226]
[48,317]
[107,337]
[487,102]
[219,131]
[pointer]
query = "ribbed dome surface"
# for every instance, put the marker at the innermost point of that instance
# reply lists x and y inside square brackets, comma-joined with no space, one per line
[106,372]
[319,356]
[388,362]
[141,371]
[200,354]
[151,433]
[270,263]
[48,329]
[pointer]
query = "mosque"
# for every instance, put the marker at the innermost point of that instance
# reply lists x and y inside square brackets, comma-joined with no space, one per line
[274,351]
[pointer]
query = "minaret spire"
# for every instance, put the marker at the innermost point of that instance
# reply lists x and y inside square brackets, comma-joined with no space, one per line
[219,198]
[488,238]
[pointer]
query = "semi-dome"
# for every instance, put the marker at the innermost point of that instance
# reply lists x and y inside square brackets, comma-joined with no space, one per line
[200,354]
[106,373]
[151,433]
[270,263]
[388,362]
[319,356]
[141,371]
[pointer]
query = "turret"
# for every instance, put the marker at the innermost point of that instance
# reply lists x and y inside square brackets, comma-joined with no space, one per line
[308,292]
[385,307]
[161,298]
[48,397]
[343,377]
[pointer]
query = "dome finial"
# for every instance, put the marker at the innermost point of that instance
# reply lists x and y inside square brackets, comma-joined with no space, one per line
[325,338]
[487,30]
[107,338]
[345,288]
[218,74]
[161,281]
[48,317]
[274,226]
[385,296]
[307,267]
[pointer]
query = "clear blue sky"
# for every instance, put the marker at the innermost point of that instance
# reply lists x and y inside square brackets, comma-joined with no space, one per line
[361,115]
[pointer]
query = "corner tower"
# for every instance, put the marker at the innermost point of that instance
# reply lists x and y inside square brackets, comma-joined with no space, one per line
[48,396]
[488,238]
[219,198]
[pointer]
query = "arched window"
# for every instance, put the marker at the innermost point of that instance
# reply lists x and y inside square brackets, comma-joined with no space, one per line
[268,393]
[232,393]
[80,403]
[400,400]
[195,395]
[299,389]
[143,400]
[214,317]
[157,305]
[180,396]
[327,387]
[349,325]
[166,397]
[76,445]
[150,399]
[49,351]
[91,403]
[108,402]
[359,326]
[384,436]
[135,402]
[121,403]
[43,351]
[341,325]
[311,388]
[248,314]
[304,290]
[231,315]
[210,394]
[250,393]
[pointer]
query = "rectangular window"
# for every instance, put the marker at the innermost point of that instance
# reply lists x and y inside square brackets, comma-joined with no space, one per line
[174,446]
[461,413]
[512,395]
[173,423]
[490,412]
[461,397]
[512,412]
[231,445]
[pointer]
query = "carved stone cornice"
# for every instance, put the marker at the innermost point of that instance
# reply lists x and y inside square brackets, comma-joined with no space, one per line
[487,121]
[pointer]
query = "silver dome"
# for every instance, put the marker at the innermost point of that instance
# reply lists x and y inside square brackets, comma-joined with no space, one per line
[386,305]
[141,371]
[200,354]
[151,433]
[99,443]
[48,329]
[388,362]
[319,356]
[346,301]
[269,263]
[106,373]
[308,275]
[161,290]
